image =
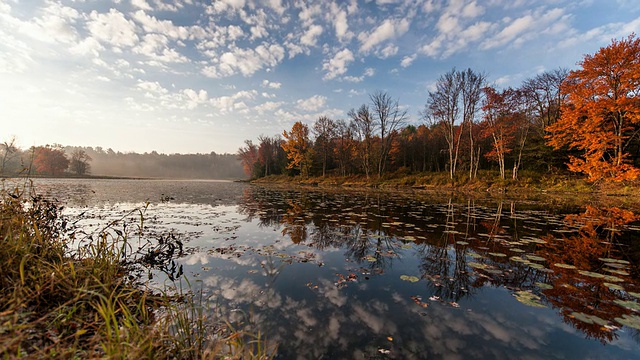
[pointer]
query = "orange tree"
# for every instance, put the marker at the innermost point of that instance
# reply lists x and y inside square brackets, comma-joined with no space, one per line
[298,147]
[601,115]
[50,160]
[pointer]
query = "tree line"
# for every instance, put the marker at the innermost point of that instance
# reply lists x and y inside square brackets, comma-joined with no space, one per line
[585,121]
[58,160]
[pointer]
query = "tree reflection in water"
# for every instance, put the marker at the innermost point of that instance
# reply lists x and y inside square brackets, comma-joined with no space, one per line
[367,228]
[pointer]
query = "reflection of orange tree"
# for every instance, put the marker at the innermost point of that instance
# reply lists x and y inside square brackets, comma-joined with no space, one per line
[293,223]
[577,289]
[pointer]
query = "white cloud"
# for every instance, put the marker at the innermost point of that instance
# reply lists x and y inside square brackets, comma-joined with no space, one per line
[389,29]
[388,51]
[338,64]
[408,60]
[113,28]
[310,37]
[165,27]
[268,106]
[272,85]
[141,4]
[245,61]
[312,104]
[341,25]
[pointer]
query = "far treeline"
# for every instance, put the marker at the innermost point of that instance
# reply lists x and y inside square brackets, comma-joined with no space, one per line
[57,160]
[585,121]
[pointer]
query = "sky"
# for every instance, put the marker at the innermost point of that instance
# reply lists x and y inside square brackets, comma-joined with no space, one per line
[190,76]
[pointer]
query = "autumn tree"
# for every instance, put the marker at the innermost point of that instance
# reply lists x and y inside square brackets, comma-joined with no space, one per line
[344,146]
[50,159]
[298,148]
[80,162]
[506,124]
[248,156]
[324,130]
[270,154]
[602,113]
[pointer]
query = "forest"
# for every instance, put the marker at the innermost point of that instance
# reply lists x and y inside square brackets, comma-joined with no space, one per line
[57,160]
[585,121]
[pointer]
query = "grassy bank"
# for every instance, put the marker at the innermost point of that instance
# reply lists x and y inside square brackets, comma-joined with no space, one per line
[485,184]
[58,302]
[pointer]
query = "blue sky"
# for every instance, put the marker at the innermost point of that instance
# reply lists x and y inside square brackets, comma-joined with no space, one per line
[188,76]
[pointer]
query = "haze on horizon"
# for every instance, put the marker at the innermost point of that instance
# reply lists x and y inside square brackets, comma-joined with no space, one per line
[190,76]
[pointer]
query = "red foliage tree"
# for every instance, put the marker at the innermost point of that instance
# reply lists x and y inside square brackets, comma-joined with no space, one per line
[602,112]
[50,160]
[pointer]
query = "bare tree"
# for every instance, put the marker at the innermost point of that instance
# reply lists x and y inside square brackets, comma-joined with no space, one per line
[363,124]
[324,130]
[543,91]
[9,152]
[80,162]
[389,118]
[443,107]
[471,84]
[344,145]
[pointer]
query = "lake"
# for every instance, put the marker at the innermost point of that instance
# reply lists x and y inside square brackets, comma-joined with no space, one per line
[354,274]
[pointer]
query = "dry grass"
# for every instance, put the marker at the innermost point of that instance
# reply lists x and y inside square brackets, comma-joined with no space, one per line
[58,303]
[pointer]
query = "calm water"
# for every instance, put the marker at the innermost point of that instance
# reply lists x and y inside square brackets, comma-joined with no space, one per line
[361,275]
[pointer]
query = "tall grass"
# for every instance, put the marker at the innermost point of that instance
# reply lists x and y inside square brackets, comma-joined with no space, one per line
[58,303]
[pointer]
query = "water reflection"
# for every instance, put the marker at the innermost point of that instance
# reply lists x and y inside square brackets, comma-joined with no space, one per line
[370,274]
[578,264]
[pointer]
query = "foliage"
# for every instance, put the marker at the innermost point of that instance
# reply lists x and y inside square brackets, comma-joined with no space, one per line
[602,113]
[297,145]
[50,160]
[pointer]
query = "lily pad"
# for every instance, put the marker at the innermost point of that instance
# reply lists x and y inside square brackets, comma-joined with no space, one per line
[544,286]
[476,265]
[632,321]
[634,294]
[565,266]
[614,261]
[497,254]
[409,278]
[613,286]
[529,299]
[632,305]
[462,243]
[535,258]
[589,319]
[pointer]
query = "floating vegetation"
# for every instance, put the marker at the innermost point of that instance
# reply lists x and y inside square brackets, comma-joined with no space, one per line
[528,298]
[409,278]
[609,278]
[535,258]
[462,243]
[631,305]
[476,265]
[544,286]
[497,254]
[589,319]
[613,286]
[614,261]
[632,321]
[565,266]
